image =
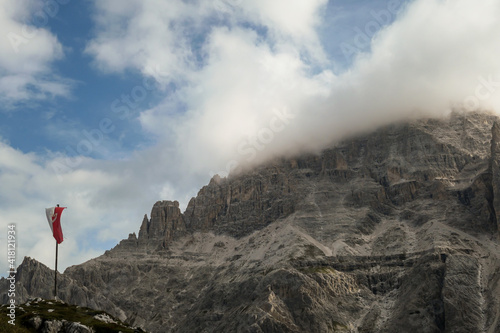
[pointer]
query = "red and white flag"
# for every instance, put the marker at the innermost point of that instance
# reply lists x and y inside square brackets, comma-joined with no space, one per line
[54,219]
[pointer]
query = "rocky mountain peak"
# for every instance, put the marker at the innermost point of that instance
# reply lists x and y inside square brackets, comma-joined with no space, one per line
[400,160]
[166,222]
[32,277]
[391,231]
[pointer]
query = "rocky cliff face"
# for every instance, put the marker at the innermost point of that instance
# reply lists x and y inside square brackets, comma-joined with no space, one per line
[495,169]
[393,231]
[166,223]
[243,204]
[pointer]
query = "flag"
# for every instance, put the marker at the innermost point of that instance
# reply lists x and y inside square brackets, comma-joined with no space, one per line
[54,219]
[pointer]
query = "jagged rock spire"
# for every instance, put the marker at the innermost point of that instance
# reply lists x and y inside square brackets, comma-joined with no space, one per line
[166,222]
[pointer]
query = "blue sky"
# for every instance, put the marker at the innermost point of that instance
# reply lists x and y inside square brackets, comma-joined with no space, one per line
[108,106]
[92,92]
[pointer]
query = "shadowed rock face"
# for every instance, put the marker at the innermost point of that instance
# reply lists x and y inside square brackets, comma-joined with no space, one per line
[392,231]
[166,223]
[495,169]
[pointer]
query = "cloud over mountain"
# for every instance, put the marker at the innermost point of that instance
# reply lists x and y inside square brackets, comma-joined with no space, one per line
[237,82]
[242,66]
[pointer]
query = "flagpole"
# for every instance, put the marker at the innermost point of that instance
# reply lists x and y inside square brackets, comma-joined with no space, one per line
[54,219]
[55,278]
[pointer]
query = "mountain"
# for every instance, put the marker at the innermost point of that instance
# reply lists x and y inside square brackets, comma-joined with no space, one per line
[391,231]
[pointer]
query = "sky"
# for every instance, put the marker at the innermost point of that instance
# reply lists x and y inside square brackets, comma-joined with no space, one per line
[107,106]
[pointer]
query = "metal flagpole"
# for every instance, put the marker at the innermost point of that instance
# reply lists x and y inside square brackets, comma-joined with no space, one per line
[55,279]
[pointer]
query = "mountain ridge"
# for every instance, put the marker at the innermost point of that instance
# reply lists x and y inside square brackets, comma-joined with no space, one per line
[384,232]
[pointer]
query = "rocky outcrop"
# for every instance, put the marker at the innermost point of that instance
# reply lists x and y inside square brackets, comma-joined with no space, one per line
[33,277]
[392,231]
[38,315]
[166,222]
[495,170]
[243,204]
[63,326]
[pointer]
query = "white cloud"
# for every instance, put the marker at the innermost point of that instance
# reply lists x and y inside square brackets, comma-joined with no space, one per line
[435,55]
[237,94]
[106,200]
[143,35]
[297,23]
[231,78]
[242,97]
[147,34]
[26,55]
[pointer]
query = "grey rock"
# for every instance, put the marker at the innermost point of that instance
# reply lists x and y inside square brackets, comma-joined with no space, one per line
[36,322]
[495,169]
[104,318]
[72,327]
[52,326]
[390,231]
[166,222]
[63,326]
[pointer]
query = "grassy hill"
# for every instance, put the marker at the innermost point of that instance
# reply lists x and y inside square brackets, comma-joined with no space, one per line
[37,314]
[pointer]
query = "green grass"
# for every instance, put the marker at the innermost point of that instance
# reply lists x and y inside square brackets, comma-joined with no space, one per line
[71,313]
[6,327]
